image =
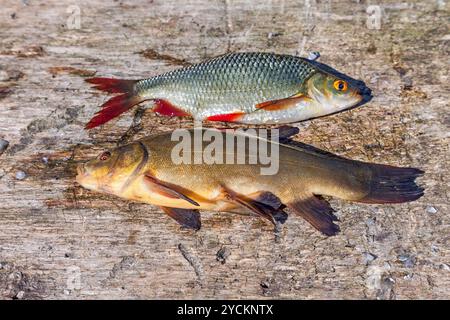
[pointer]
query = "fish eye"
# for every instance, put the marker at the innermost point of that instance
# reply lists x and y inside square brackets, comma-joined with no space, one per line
[340,85]
[105,156]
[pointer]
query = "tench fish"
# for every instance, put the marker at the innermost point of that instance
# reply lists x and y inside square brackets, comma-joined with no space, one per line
[251,88]
[147,171]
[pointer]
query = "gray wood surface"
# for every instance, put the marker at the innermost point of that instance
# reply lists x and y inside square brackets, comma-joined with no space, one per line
[60,241]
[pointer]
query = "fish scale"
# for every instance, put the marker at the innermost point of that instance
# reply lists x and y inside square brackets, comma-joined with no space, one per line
[252,88]
[301,175]
[228,83]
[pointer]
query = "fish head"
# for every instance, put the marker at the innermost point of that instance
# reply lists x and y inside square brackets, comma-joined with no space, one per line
[111,170]
[331,93]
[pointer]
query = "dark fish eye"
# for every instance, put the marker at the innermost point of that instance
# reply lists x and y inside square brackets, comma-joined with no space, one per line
[105,156]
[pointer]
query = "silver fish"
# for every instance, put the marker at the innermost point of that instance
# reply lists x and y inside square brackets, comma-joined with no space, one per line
[252,88]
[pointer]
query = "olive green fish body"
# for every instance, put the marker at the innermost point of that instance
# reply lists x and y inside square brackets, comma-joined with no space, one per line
[145,171]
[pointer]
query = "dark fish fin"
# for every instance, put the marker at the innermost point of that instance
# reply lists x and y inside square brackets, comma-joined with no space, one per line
[185,217]
[281,104]
[265,205]
[116,105]
[317,212]
[229,117]
[286,132]
[273,202]
[269,199]
[311,149]
[165,108]
[391,184]
[166,190]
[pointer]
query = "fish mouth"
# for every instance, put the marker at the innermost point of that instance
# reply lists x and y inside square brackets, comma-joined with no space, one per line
[360,96]
[81,173]
[365,95]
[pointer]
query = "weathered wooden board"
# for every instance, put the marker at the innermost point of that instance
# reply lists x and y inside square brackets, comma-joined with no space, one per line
[60,241]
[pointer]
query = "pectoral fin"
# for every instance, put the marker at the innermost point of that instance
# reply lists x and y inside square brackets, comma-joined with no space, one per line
[187,218]
[166,189]
[282,104]
[317,212]
[265,205]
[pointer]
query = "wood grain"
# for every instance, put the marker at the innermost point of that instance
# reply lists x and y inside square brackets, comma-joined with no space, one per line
[58,240]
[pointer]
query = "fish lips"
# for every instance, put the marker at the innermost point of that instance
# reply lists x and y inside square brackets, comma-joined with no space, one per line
[81,173]
[365,92]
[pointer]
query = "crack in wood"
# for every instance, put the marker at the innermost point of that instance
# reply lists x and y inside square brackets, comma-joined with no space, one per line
[193,261]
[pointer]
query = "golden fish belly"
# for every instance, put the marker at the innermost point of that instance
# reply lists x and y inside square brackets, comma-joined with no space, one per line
[198,184]
[146,171]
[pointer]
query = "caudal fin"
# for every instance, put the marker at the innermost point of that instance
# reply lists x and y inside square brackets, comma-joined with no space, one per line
[116,105]
[393,185]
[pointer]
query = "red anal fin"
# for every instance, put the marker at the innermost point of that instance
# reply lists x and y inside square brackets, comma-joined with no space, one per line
[228,117]
[281,104]
[317,212]
[165,108]
[166,189]
[185,217]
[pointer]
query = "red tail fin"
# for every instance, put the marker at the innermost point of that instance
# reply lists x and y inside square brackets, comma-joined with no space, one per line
[116,105]
[112,85]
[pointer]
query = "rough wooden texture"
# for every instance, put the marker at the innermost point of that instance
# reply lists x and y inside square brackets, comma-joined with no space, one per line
[60,241]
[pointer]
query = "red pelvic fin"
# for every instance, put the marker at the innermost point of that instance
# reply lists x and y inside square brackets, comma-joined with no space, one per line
[229,117]
[116,105]
[165,108]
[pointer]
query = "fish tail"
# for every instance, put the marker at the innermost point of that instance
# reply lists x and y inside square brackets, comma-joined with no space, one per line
[383,184]
[116,105]
[391,184]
